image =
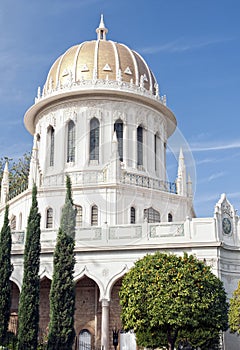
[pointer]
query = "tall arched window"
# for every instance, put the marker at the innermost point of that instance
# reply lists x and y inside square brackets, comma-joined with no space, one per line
[170,217]
[78,211]
[133,215]
[71,142]
[51,140]
[156,151]
[94,216]
[118,127]
[94,139]
[151,215]
[84,340]
[140,146]
[49,218]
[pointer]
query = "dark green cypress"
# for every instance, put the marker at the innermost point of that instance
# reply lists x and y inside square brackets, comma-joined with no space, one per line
[5,273]
[28,315]
[62,295]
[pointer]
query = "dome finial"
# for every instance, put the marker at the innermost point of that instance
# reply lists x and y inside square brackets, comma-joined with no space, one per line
[101,30]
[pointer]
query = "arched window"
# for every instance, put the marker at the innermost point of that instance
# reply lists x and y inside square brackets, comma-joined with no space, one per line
[133,215]
[78,211]
[71,142]
[118,127]
[13,222]
[151,215]
[94,216]
[156,151]
[49,218]
[51,140]
[94,139]
[84,340]
[170,217]
[140,146]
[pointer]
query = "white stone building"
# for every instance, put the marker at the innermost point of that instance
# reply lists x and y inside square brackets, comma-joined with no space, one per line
[100,119]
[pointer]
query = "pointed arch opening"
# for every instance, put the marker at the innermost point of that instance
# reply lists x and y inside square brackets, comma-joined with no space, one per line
[140,146]
[49,218]
[133,215]
[94,215]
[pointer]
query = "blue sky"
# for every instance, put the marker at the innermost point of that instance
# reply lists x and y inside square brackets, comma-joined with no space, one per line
[192,46]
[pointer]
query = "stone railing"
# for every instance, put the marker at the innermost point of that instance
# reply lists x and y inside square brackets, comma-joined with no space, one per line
[148,182]
[96,84]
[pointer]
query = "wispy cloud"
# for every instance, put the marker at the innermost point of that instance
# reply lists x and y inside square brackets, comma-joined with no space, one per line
[203,147]
[181,45]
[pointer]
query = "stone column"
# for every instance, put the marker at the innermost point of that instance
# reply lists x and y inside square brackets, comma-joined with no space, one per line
[105,325]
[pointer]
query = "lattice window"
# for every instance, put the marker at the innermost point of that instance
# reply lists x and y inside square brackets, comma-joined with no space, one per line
[118,127]
[94,139]
[139,146]
[49,218]
[94,215]
[78,210]
[151,215]
[84,340]
[71,142]
[133,215]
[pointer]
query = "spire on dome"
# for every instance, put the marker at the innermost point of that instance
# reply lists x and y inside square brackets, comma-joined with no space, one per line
[101,30]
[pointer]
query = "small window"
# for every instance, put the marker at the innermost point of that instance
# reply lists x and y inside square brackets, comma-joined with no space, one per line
[84,340]
[170,217]
[151,215]
[78,211]
[94,216]
[49,218]
[13,223]
[20,221]
[133,215]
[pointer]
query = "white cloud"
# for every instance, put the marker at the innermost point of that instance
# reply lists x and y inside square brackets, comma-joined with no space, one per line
[203,147]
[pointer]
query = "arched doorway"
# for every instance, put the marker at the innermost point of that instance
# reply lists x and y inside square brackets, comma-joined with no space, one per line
[87,314]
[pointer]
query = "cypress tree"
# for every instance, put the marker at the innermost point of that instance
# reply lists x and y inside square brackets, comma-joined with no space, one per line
[5,273]
[28,315]
[62,294]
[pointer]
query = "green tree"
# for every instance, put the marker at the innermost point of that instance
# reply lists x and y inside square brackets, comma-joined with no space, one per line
[234,311]
[62,294]
[166,295]
[5,273]
[28,315]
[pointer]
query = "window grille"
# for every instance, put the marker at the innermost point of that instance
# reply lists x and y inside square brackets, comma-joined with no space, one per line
[133,215]
[118,127]
[139,146]
[78,210]
[151,215]
[94,216]
[49,218]
[84,340]
[71,142]
[94,139]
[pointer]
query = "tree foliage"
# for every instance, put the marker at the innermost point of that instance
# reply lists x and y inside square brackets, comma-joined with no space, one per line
[234,311]
[163,296]
[28,315]
[62,294]
[5,273]
[18,172]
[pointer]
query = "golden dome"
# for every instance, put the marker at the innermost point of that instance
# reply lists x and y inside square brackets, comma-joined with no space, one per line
[102,60]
